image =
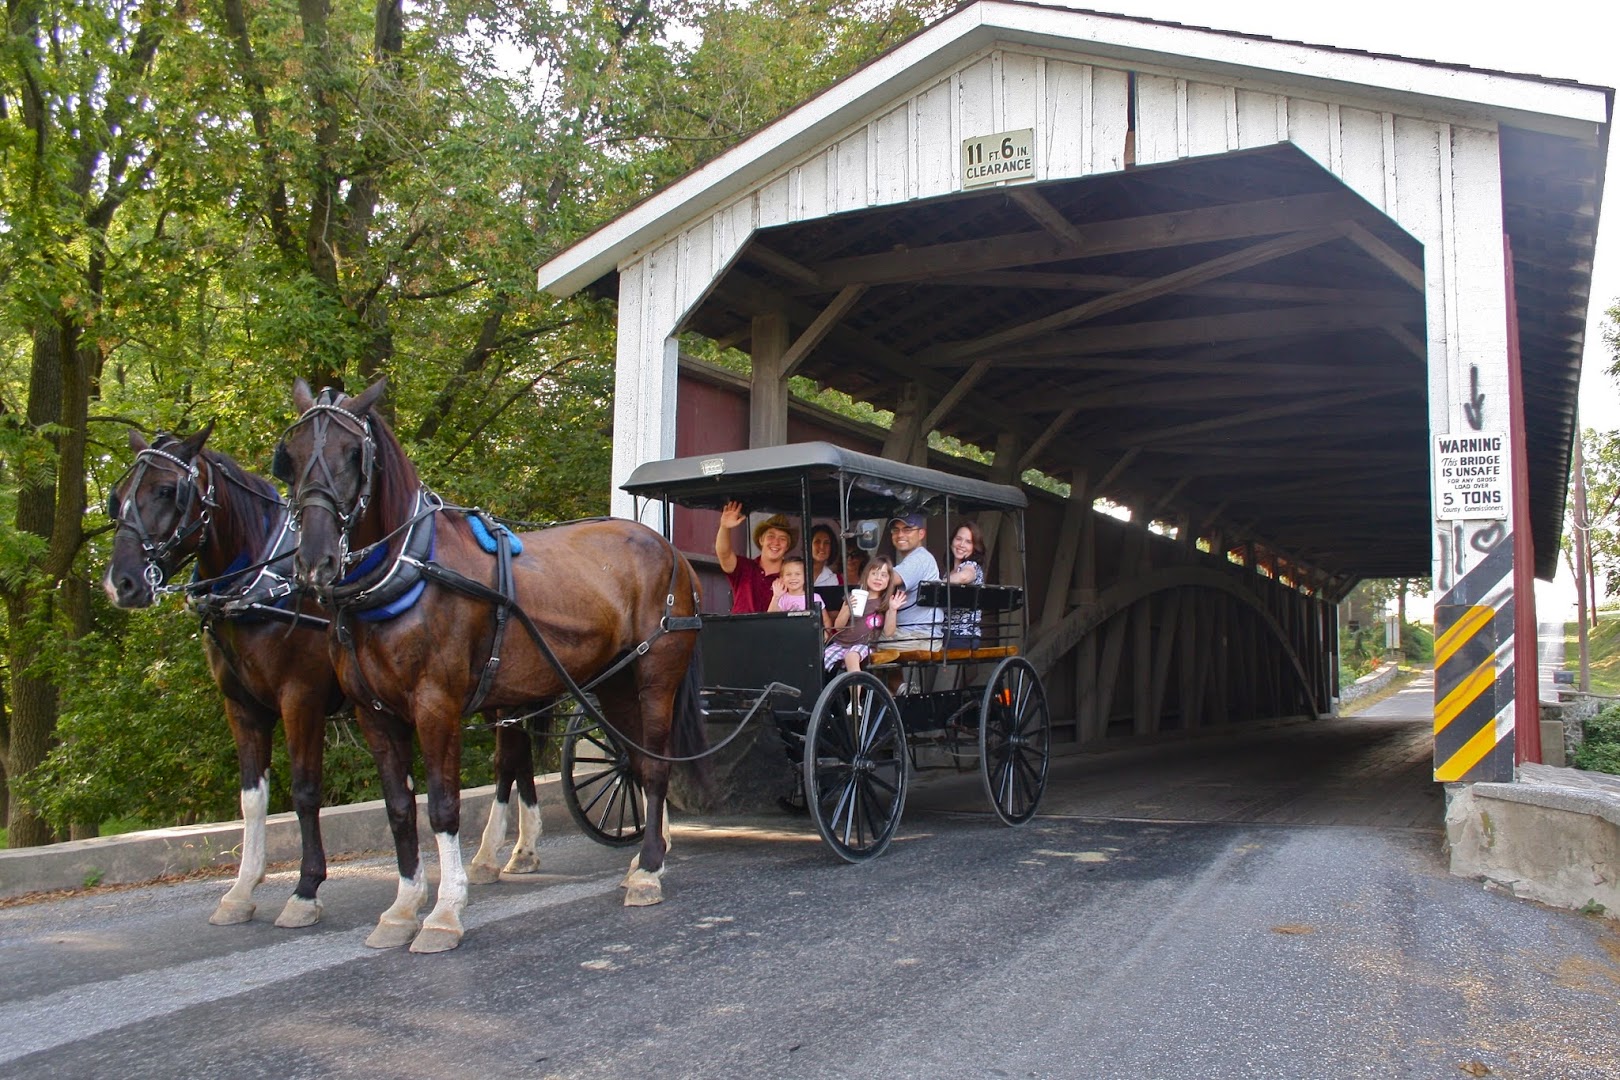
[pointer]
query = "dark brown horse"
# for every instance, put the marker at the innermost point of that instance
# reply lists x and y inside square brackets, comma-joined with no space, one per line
[417,607]
[180,501]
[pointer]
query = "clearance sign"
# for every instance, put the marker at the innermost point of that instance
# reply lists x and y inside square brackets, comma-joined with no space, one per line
[992,159]
[1470,476]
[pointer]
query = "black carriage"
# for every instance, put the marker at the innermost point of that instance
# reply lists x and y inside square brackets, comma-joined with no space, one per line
[855,737]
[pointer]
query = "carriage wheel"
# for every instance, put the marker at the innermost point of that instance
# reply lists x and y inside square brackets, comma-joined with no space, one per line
[600,786]
[855,766]
[1015,740]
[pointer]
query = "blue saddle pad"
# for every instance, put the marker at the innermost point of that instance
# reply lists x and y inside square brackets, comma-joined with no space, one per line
[486,541]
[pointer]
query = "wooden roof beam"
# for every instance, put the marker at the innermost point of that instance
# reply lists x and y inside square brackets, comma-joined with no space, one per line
[1253,416]
[1046,215]
[1232,221]
[777,263]
[1226,290]
[1246,326]
[820,327]
[1244,258]
[1392,260]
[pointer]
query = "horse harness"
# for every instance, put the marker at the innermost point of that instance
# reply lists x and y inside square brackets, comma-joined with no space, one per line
[264,596]
[389,590]
[127,514]
[379,589]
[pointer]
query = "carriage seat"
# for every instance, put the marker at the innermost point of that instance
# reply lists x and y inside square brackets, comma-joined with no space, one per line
[996,604]
[920,652]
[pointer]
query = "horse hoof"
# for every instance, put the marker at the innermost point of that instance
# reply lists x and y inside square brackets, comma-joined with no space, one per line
[642,889]
[299,913]
[434,939]
[232,913]
[391,935]
[483,873]
[526,863]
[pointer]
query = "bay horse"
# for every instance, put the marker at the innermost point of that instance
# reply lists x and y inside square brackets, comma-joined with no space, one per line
[418,635]
[178,502]
[267,650]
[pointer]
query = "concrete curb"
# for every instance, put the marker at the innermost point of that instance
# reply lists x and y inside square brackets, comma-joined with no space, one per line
[133,858]
[1551,836]
[1368,684]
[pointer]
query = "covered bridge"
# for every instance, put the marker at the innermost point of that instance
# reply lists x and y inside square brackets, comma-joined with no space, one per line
[1312,315]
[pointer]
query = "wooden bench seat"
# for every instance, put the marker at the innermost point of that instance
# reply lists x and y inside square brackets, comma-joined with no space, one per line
[910,653]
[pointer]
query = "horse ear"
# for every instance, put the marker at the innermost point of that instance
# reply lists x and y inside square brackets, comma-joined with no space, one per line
[362,404]
[137,441]
[303,400]
[191,444]
[281,463]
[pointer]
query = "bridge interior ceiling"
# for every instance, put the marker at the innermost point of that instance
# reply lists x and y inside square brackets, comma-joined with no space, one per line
[1235,342]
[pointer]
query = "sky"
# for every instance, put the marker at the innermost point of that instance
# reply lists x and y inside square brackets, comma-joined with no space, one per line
[1560,39]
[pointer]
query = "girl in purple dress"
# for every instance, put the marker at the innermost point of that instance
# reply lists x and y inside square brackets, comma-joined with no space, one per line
[884,593]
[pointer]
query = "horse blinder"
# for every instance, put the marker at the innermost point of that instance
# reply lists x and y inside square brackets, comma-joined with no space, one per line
[281,463]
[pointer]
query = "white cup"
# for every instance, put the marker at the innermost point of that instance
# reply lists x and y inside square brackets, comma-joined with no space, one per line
[857,602]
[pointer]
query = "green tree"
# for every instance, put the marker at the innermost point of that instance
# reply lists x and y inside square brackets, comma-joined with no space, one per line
[201,201]
[83,124]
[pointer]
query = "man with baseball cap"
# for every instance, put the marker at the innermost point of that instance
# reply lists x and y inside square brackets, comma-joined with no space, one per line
[915,564]
[751,578]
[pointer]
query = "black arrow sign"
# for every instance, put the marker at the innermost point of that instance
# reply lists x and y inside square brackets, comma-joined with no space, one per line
[1474,409]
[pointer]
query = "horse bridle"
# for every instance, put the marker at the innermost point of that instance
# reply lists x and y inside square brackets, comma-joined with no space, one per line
[126,513]
[308,489]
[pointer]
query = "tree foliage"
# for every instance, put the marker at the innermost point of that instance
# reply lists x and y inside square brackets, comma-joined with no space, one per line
[200,201]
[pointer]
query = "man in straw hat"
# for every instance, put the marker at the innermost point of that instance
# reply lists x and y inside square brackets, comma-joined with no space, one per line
[751,578]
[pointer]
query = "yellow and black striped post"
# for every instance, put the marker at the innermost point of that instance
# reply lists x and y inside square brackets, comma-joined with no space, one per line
[1474,672]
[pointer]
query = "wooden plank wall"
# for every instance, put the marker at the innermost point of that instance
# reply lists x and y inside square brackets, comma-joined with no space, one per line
[1180,659]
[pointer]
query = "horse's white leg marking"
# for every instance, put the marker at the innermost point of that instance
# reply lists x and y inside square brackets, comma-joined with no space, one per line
[398,924]
[236,906]
[643,887]
[441,930]
[635,860]
[298,913]
[484,868]
[525,858]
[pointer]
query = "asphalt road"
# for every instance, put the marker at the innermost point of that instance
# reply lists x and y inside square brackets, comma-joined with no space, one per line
[1192,910]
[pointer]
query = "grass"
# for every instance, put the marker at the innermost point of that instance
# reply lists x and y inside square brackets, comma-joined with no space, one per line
[1603,645]
[110,827]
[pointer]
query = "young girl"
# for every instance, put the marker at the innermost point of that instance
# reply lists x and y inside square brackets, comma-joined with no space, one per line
[788,592]
[967,552]
[885,592]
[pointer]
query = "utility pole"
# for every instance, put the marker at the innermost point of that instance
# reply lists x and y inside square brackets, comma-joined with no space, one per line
[1583,557]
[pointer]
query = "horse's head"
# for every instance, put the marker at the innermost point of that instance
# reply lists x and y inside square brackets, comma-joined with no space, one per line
[327,459]
[160,509]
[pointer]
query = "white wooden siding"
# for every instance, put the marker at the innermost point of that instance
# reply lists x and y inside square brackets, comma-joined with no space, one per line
[1437,179]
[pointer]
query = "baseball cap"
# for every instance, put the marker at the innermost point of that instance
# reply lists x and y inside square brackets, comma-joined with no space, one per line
[915,521]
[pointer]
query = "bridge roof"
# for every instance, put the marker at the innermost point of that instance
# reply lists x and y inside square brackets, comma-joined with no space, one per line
[1286,402]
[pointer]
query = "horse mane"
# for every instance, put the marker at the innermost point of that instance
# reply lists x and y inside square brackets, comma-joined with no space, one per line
[253,525]
[395,481]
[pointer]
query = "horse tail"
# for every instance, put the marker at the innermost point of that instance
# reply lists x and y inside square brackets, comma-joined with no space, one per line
[689,736]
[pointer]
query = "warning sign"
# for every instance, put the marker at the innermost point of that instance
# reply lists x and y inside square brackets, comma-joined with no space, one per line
[1470,475]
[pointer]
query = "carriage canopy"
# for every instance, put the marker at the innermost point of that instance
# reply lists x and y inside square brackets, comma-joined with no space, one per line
[768,480]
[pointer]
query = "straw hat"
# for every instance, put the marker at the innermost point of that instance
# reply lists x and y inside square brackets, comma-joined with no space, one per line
[777,521]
